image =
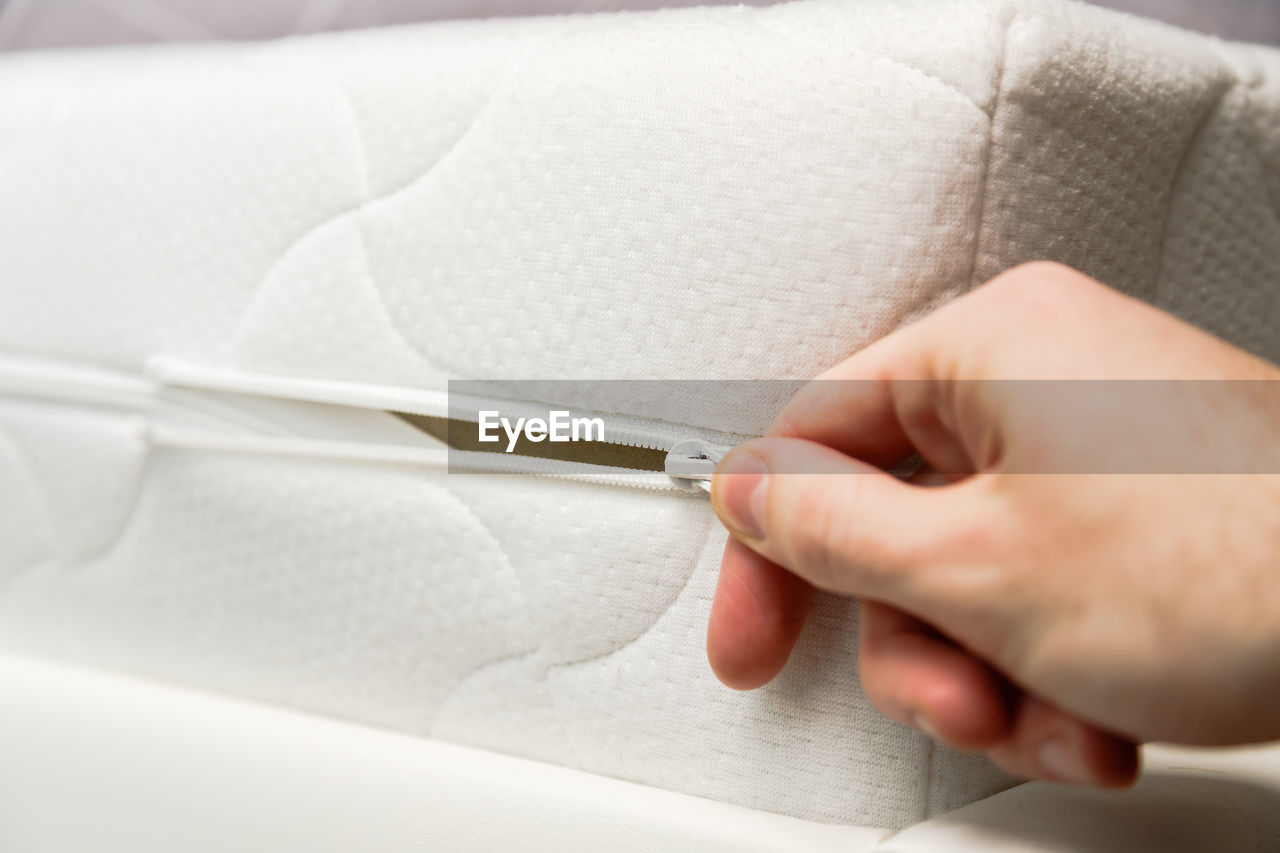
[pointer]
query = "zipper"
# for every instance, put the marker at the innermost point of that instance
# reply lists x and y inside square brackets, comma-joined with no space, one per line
[179,404]
[686,462]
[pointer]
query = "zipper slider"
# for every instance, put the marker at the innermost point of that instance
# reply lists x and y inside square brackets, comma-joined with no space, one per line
[690,464]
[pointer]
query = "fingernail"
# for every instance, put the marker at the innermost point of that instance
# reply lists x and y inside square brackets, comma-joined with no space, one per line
[1061,760]
[921,722]
[739,486]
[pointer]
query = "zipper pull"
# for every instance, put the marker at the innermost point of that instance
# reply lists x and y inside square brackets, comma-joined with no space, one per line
[690,464]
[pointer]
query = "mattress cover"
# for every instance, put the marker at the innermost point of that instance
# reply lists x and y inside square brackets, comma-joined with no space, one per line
[703,193]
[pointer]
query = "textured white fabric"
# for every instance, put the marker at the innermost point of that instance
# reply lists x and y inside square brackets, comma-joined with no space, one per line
[693,194]
[553,620]
[834,172]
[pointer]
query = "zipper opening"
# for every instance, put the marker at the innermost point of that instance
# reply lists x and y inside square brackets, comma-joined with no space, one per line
[191,406]
[444,430]
[462,435]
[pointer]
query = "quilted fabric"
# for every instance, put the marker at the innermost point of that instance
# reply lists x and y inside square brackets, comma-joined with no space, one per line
[703,193]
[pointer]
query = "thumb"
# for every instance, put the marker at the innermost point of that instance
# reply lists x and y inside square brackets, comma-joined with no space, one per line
[840,524]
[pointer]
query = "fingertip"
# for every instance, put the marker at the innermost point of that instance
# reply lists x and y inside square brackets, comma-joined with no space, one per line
[756,617]
[739,673]
[737,490]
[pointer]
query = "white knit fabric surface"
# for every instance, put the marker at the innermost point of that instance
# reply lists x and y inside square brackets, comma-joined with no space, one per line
[706,193]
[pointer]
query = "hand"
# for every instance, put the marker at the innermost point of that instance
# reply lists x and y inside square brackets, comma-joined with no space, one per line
[1063,581]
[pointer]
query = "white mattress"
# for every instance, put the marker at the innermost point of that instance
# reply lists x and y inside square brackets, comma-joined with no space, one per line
[706,193]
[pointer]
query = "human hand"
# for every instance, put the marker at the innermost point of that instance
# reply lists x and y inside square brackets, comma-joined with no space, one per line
[1059,586]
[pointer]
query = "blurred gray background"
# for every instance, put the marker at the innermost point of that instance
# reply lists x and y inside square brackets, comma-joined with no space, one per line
[26,24]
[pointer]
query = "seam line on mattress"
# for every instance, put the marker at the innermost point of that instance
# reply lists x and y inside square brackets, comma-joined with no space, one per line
[88,562]
[566,665]
[693,571]
[41,491]
[135,497]
[467,676]
[366,198]
[366,203]
[530,626]
[357,135]
[983,188]
[926,792]
[854,51]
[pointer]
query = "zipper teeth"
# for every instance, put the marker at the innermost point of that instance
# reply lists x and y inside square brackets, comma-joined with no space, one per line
[511,464]
[186,438]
